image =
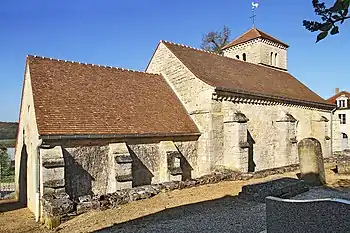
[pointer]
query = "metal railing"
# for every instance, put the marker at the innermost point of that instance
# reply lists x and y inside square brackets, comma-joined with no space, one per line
[7,185]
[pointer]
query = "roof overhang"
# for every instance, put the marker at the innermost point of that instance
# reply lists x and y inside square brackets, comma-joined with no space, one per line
[112,136]
[222,93]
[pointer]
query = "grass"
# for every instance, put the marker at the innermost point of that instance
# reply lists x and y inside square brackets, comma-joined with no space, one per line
[7,179]
[8,142]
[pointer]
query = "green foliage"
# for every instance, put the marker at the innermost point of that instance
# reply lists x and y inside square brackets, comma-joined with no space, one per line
[330,17]
[5,162]
[214,41]
[8,130]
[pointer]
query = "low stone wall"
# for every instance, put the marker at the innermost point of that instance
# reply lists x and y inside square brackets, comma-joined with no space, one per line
[314,216]
[58,207]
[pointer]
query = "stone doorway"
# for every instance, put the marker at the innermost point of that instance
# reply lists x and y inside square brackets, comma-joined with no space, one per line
[344,141]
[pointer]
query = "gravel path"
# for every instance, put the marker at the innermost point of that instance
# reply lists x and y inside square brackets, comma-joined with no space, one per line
[228,214]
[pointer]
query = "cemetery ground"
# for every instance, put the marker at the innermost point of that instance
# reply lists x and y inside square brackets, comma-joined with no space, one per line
[207,208]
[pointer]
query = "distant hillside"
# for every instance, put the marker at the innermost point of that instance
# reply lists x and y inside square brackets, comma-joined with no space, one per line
[8,130]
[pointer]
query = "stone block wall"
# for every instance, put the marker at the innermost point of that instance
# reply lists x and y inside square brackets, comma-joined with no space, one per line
[26,151]
[274,137]
[251,49]
[86,169]
[195,95]
[258,51]
[96,170]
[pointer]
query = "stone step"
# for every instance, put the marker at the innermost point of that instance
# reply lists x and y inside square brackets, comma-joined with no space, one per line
[283,188]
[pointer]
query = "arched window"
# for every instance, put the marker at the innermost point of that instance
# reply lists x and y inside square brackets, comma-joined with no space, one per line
[244,57]
[237,56]
[271,58]
[276,60]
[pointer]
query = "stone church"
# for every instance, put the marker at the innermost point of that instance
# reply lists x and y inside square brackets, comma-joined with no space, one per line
[89,129]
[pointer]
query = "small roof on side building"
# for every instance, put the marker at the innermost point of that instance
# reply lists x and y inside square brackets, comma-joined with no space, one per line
[252,34]
[243,77]
[71,98]
[334,98]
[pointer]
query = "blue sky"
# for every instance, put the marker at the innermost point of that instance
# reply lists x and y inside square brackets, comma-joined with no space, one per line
[125,34]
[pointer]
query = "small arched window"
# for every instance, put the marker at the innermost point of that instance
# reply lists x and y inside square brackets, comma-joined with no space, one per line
[271,58]
[276,60]
[244,57]
[237,56]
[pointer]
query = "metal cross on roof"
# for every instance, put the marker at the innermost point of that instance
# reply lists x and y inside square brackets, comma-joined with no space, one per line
[255,5]
[253,18]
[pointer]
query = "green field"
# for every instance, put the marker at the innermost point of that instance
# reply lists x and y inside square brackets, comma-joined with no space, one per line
[7,179]
[8,143]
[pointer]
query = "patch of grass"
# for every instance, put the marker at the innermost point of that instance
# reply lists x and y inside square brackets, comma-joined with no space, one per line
[8,142]
[7,179]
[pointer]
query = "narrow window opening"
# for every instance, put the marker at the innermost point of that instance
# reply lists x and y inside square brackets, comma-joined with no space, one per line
[271,58]
[237,56]
[276,61]
[244,57]
[342,118]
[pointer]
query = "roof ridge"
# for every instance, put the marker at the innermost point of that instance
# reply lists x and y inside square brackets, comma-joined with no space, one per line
[90,64]
[229,44]
[338,95]
[221,55]
[257,34]
[187,46]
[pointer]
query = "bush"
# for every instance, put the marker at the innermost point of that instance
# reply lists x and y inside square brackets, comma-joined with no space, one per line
[5,163]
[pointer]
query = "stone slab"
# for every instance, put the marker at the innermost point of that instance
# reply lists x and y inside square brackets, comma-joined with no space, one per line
[313,216]
[284,187]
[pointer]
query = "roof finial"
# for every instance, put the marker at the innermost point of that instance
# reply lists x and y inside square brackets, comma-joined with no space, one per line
[255,5]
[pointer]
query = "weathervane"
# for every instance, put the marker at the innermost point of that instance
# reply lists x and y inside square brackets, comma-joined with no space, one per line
[255,5]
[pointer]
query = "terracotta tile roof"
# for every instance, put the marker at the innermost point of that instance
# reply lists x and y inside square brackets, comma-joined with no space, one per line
[227,73]
[74,99]
[334,98]
[250,35]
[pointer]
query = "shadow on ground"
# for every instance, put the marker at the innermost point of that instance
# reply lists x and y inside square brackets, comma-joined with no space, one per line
[227,214]
[10,205]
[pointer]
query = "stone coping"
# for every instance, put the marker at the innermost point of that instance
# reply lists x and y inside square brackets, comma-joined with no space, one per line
[343,201]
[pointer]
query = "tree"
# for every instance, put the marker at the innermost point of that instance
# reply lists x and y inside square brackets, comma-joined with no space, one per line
[5,162]
[330,18]
[214,41]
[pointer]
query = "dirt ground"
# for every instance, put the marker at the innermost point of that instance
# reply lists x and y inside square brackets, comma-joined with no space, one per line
[22,220]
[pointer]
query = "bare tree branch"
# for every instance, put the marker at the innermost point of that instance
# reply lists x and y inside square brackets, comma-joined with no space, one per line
[214,41]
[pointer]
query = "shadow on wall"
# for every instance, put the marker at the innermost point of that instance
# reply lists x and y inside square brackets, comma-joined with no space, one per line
[251,142]
[185,167]
[140,173]
[78,181]
[226,214]
[23,176]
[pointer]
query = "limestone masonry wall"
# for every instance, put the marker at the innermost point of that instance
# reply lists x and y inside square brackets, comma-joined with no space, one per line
[274,138]
[195,96]
[88,169]
[26,148]
[259,51]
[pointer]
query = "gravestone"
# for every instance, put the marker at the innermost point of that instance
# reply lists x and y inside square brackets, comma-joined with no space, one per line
[311,162]
[313,216]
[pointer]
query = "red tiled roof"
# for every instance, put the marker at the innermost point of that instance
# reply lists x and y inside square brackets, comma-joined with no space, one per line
[227,73]
[250,35]
[78,99]
[334,98]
